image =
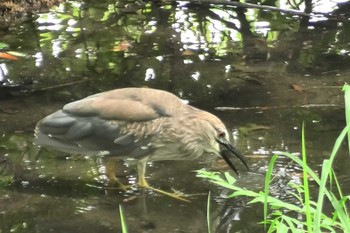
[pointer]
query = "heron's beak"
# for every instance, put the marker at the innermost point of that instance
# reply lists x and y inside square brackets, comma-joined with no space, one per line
[226,149]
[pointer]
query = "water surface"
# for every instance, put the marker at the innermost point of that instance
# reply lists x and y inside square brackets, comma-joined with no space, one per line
[281,70]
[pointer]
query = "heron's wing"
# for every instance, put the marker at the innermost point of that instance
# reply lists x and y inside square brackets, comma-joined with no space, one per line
[128,104]
[97,123]
[88,135]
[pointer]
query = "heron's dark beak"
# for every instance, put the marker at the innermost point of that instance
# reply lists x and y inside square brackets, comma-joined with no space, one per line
[226,149]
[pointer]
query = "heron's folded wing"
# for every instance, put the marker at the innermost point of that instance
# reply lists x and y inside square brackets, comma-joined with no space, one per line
[87,135]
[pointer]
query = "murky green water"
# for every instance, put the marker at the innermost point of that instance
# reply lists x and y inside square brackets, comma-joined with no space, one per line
[279,72]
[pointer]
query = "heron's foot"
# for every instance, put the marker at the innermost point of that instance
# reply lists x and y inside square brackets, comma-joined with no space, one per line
[116,184]
[176,194]
[113,171]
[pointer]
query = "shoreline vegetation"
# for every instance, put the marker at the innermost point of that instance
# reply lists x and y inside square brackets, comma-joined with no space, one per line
[15,10]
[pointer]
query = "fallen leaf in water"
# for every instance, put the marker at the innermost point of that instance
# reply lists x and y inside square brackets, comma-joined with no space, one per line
[297,88]
[122,46]
[188,52]
[8,56]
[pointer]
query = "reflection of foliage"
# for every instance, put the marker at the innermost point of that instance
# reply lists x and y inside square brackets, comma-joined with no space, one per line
[78,40]
[14,9]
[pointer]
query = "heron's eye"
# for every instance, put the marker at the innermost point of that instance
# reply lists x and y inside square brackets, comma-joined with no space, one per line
[221,134]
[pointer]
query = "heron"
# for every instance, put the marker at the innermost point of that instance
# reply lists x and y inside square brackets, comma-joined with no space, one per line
[142,124]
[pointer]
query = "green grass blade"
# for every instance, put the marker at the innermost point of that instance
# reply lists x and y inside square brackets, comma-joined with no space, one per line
[339,189]
[208,212]
[298,161]
[267,186]
[318,215]
[339,209]
[321,193]
[327,165]
[273,223]
[122,220]
[306,182]
[292,223]
[282,228]
[346,89]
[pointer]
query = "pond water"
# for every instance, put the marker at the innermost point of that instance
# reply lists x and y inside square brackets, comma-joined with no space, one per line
[263,73]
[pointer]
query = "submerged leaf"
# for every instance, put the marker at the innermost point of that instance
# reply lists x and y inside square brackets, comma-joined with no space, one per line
[122,46]
[8,56]
[297,88]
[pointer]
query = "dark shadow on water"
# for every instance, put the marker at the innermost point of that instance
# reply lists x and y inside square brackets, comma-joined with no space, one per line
[58,187]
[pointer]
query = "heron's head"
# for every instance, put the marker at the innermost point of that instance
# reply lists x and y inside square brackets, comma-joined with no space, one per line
[220,143]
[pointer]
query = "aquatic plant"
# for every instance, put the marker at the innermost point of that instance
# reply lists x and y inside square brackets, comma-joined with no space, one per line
[315,218]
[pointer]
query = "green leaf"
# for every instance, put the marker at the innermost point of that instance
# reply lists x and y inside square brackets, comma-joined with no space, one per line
[230,179]
[3,45]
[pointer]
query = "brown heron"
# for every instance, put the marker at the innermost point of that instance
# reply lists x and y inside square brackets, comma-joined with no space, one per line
[142,124]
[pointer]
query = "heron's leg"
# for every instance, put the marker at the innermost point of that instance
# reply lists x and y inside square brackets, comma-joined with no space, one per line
[111,167]
[141,167]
